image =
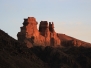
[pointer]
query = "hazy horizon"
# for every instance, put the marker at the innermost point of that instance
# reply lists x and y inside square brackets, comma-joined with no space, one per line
[72,18]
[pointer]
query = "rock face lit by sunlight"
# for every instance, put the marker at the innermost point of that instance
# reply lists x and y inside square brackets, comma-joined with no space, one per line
[46,35]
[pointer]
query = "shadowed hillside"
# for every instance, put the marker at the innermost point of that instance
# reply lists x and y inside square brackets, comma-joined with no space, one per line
[14,54]
[71,57]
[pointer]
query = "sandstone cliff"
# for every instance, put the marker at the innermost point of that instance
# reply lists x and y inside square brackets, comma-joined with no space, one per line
[45,36]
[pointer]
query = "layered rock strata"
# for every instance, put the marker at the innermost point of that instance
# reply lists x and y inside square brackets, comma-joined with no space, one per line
[45,36]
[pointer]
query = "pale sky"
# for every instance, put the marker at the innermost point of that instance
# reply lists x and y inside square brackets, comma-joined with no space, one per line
[71,17]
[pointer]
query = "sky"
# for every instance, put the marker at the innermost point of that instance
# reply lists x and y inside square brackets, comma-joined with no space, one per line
[70,17]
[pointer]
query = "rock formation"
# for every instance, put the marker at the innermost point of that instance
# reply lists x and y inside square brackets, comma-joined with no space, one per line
[70,41]
[45,36]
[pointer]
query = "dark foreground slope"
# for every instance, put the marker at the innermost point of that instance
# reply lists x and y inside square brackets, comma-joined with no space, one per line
[15,55]
[71,57]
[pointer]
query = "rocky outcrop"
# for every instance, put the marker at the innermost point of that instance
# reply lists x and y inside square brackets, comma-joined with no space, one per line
[45,36]
[70,41]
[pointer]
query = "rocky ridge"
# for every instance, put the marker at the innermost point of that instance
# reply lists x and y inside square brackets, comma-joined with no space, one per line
[46,35]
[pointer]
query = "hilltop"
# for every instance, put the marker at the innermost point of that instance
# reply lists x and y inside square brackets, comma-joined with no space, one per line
[46,35]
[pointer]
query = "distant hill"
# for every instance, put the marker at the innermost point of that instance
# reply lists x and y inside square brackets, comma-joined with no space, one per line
[71,41]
